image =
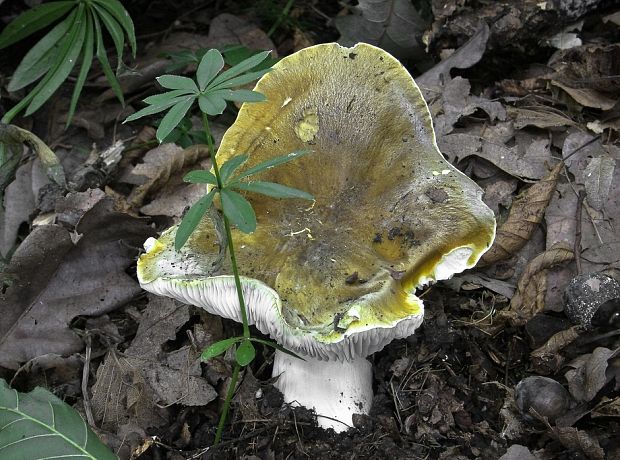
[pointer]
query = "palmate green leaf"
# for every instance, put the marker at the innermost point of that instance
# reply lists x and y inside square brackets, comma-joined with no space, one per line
[177,82]
[173,117]
[272,189]
[64,62]
[240,95]
[272,344]
[219,347]
[231,166]
[192,219]
[38,60]
[245,353]
[38,425]
[210,65]
[211,104]
[33,20]
[240,80]
[102,57]
[240,68]
[153,109]
[87,60]
[200,176]
[159,99]
[115,31]
[116,9]
[238,210]
[271,163]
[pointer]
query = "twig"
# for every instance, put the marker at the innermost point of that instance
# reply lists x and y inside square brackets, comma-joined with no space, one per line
[85,373]
[577,246]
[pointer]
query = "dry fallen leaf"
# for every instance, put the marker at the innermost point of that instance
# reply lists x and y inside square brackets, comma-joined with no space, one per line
[393,25]
[529,297]
[546,359]
[588,373]
[579,441]
[160,377]
[55,280]
[526,212]
[158,166]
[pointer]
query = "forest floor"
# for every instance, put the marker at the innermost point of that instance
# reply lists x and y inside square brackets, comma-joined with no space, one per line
[515,89]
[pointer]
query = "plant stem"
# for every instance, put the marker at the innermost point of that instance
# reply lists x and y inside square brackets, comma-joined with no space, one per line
[229,395]
[281,17]
[231,247]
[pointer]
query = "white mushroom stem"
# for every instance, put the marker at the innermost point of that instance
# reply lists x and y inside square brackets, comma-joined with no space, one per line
[335,390]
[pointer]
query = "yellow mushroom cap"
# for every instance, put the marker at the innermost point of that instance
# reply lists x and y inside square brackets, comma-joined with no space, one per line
[335,278]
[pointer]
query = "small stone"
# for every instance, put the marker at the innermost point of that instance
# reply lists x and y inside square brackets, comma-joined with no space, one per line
[586,293]
[542,395]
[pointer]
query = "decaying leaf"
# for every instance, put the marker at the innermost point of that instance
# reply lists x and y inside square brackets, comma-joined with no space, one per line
[598,176]
[607,408]
[529,298]
[463,58]
[393,25]
[526,212]
[588,373]
[55,280]
[546,358]
[158,166]
[579,441]
[540,117]
[518,452]
[456,102]
[158,378]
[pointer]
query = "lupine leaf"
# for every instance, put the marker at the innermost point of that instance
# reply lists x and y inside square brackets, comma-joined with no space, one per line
[177,82]
[243,66]
[32,20]
[219,347]
[272,189]
[242,95]
[240,80]
[231,166]
[38,60]
[65,61]
[238,210]
[200,177]
[211,105]
[153,109]
[115,31]
[210,65]
[102,57]
[174,117]
[117,10]
[162,98]
[272,344]
[271,163]
[87,60]
[192,219]
[245,353]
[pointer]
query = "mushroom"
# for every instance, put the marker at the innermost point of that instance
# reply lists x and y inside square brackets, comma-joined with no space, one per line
[334,281]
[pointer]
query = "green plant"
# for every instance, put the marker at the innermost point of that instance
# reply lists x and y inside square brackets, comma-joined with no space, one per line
[38,422]
[233,55]
[77,37]
[211,89]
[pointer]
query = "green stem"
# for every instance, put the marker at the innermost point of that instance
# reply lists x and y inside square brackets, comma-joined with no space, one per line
[229,396]
[231,247]
[281,17]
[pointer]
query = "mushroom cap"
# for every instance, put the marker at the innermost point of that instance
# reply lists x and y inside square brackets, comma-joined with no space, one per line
[335,278]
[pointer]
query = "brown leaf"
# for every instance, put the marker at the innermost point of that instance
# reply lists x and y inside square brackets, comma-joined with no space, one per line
[159,165]
[55,280]
[546,358]
[579,441]
[588,374]
[526,212]
[530,294]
